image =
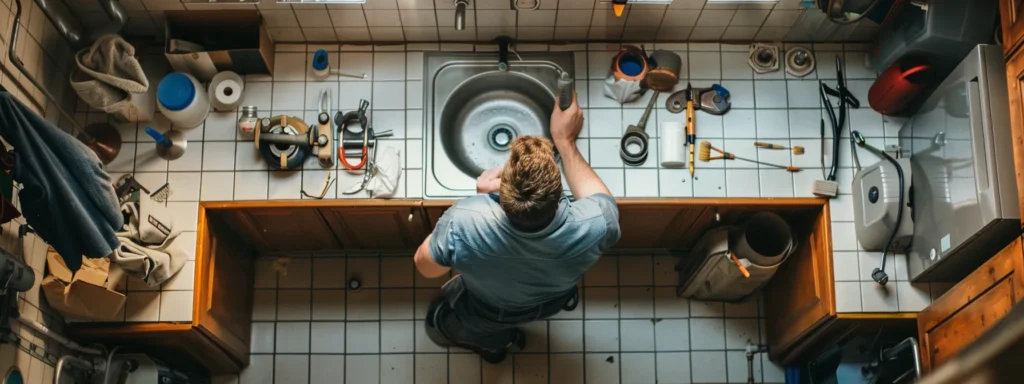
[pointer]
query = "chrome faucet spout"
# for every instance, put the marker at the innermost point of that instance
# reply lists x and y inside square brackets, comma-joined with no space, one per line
[460,14]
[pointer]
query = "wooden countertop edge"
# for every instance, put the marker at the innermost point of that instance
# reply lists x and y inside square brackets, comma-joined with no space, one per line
[627,201]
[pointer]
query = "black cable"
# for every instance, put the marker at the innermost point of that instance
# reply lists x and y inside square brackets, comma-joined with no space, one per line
[831,3]
[836,132]
[878,274]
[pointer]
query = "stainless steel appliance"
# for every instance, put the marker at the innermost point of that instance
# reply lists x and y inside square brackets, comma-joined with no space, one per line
[964,191]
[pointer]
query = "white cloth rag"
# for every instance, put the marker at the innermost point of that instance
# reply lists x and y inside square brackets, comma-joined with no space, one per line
[387,169]
[106,73]
[147,249]
[622,91]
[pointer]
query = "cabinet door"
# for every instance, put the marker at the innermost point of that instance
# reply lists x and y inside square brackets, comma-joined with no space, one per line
[800,298]
[283,229]
[224,280]
[1011,16]
[377,224]
[1015,84]
[971,307]
[655,223]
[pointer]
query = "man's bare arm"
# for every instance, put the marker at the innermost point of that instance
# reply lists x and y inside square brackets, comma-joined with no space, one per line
[582,179]
[565,127]
[426,264]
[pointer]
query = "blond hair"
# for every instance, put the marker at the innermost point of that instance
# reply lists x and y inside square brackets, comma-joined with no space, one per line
[531,184]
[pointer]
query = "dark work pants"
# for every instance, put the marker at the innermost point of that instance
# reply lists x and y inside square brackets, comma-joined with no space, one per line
[467,321]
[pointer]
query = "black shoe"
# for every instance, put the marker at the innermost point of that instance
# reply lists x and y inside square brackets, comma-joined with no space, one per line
[518,343]
[493,357]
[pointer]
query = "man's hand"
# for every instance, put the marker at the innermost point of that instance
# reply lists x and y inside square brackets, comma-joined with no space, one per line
[489,181]
[566,125]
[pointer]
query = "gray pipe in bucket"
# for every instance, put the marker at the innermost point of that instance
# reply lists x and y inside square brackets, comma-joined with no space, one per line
[765,239]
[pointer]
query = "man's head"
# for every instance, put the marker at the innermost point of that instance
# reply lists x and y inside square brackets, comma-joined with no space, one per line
[531,184]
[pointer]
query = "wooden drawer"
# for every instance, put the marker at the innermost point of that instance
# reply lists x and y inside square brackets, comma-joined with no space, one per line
[972,306]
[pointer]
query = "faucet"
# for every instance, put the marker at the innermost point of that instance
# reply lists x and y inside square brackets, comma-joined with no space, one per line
[503,44]
[460,14]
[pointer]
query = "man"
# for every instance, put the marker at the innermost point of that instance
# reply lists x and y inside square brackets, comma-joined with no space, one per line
[520,245]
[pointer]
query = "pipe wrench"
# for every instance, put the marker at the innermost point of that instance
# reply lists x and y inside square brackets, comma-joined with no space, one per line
[713,100]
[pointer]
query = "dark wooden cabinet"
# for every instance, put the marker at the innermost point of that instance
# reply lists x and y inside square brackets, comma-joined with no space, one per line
[1011,16]
[972,306]
[656,223]
[1015,84]
[279,229]
[377,224]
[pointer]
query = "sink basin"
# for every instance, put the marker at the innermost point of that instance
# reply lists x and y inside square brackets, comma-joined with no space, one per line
[474,111]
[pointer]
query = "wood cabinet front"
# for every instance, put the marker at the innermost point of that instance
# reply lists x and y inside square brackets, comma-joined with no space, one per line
[972,306]
[1011,16]
[373,224]
[1015,85]
[283,229]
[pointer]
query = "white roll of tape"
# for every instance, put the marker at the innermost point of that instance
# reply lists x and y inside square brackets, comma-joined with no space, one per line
[226,91]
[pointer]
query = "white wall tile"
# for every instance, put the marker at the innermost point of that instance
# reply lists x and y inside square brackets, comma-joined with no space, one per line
[217,186]
[613,179]
[742,183]
[770,94]
[741,92]
[263,337]
[642,182]
[601,368]
[772,123]
[251,185]
[176,306]
[327,337]
[361,375]
[776,183]
[707,334]
[708,367]
[705,65]
[740,123]
[293,304]
[328,304]
[326,369]
[878,298]
[673,366]
[672,335]
[362,337]
[709,182]
[913,297]
[566,335]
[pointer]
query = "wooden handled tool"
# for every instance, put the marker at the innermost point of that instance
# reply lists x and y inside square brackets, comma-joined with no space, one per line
[691,131]
[797,150]
[705,156]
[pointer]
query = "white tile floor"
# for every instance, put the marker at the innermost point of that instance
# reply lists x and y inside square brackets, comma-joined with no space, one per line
[776,107]
[629,328]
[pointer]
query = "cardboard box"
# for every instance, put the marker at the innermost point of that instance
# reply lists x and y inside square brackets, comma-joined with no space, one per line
[202,43]
[81,295]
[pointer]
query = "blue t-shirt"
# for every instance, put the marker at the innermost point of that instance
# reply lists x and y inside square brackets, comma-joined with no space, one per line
[512,269]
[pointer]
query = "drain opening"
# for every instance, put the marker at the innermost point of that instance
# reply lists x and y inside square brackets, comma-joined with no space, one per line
[500,136]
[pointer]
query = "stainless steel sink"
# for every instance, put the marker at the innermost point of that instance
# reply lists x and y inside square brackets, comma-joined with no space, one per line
[474,110]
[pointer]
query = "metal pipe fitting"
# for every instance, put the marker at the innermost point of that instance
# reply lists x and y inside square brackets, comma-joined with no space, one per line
[460,14]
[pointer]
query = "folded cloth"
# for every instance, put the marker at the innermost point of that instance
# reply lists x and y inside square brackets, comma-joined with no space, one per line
[387,169]
[67,196]
[622,91]
[106,73]
[147,249]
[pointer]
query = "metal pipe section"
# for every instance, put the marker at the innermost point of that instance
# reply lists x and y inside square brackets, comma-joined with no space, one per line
[67,360]
[42,329]
[85,137]
[61,18]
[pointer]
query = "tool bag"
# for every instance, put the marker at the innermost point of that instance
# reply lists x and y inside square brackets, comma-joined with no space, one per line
[760,245]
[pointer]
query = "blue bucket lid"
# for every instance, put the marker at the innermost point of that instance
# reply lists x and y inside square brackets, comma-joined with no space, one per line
[176,91]
[320,61]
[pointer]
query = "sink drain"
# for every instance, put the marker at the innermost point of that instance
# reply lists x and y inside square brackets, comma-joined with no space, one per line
[500,136]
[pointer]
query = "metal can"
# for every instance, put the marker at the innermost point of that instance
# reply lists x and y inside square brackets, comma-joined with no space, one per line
[248,122]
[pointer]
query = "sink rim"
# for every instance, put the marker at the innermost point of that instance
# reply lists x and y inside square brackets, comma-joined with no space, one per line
[479,64]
